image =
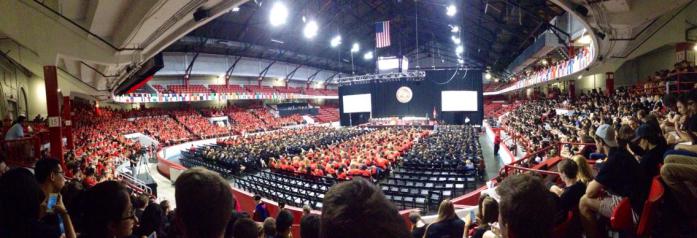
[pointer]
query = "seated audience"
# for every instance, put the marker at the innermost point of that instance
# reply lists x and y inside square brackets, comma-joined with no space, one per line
[526,208]
[22,208]
[448,224]
[620,176]
[245,228]
[309,226]
[17,129]
[204,203]
[487,214]
[417,230]
[106,211]
[357,208]
[269,228]
[49,174]
[573,190]
[585,173]
[284,221]
[260,211]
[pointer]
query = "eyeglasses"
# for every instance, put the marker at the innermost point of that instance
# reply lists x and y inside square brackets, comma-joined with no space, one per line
[131,215]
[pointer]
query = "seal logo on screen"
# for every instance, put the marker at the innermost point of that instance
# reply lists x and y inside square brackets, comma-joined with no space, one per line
[404,94]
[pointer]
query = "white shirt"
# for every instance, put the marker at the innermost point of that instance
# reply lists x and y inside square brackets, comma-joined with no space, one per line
[15,132]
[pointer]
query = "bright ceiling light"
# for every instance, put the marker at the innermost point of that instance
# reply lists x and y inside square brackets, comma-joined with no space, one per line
[461,61]
[355,48]
[459,49]
[544,62]
[455,29]
[487,76]
[580,76]
[451,10]
[235,9]
[336,41]
[278,14]
[456,40]
[310,30]
[368,55]
[695,48]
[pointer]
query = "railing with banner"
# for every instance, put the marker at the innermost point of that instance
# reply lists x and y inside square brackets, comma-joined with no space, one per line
[22,152]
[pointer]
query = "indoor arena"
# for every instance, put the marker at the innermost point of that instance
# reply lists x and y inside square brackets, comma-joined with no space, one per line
[348,118]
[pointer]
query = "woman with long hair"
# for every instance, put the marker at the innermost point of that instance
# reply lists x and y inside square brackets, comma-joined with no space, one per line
[448,224]
[585,173]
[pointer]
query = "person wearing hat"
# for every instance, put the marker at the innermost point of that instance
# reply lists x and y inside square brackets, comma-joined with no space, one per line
[649,142]
[620,176]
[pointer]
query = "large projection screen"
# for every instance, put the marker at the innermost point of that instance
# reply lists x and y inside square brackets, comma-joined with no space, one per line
[356,103]
[459,101]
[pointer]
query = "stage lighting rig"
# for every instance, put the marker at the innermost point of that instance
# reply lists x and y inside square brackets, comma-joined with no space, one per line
[415,75]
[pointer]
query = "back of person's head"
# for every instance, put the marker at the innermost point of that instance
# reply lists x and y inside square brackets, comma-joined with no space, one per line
[568,167]
[46,170]
[625,136]
[306,209]
[357,208]
[414,217]
[245,228]
[488,210]
[20,197]
[269,226]
[309,226]
[526,207]
[283,222]
[446,210]
[204,203]
[585,173]
[142,201]
[106,211]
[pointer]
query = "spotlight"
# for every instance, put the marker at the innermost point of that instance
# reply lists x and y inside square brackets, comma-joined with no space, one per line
[451,10]
[456,40]
[355,48]
[236,9]
[460,61]
[455,29]
[310,30]
[368,55]
[695,48]
[336,41]
[487,76]
[580,76]
[544,62]
[278,14]
[459,49]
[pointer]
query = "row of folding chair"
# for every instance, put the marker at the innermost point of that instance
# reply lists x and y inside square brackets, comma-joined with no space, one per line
[222,170]
[279,193]
[313,187]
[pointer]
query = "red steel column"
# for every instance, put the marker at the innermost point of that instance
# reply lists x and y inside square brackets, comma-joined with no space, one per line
[54,116]
[67,122]
[572,89]
[610,83]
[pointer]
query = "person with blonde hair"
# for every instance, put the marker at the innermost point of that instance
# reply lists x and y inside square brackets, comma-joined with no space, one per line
[448,224]
[585,173]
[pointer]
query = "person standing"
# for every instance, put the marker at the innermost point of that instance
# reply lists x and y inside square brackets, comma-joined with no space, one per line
[497,142]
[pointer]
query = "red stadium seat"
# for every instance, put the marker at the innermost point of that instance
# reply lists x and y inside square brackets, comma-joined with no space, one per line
[621,219]
[648,214]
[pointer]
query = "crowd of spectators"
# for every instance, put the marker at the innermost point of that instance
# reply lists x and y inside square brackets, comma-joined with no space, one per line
[252,152]
[448,147]
[164,128]
[634,137]
[199,125]
[367,155]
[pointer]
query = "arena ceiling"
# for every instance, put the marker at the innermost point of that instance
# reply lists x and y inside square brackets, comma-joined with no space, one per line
[493,32]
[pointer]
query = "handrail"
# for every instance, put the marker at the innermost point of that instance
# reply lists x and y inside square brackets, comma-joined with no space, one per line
[22,152]
[134,182]
[547,172]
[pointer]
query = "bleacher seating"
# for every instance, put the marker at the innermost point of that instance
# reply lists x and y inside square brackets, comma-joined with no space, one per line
[327,114]
[227,89]
[188,89]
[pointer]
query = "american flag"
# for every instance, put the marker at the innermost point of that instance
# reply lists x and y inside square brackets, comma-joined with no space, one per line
[382,34]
